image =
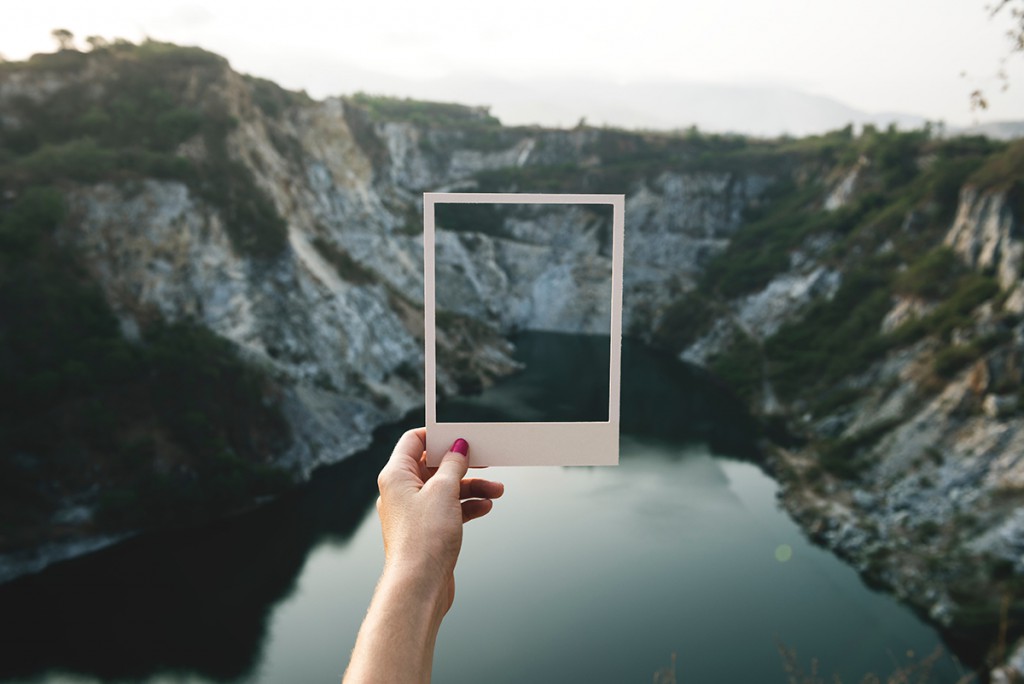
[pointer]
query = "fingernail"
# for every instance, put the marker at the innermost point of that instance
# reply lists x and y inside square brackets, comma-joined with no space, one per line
[460,446]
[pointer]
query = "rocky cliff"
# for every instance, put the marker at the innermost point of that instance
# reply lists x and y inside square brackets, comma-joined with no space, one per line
[932,509]
[292,229]
[893,348]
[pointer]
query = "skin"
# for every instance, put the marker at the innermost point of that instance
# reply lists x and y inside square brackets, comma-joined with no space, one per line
[422,511]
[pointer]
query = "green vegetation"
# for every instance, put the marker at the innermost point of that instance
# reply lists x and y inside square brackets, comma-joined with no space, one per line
[131,122]
[1001,170]
[684,322]
[439,122]
[929,276]
[741,367]
[426,114]
[1004,172]
[220,417]
[844,457]
[951,359]
[272,99]
[762,248]
[619,160]
[834,339]
[883,241]
[966,290]
[173,428]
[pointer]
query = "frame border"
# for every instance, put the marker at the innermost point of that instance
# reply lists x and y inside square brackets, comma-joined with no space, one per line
[577,443]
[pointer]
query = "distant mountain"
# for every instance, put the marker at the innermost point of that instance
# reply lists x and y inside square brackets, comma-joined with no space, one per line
[997,130]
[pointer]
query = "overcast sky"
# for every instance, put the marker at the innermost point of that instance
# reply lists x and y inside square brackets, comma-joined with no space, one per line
[875,55]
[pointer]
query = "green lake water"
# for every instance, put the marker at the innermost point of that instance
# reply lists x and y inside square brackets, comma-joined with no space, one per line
[579,575]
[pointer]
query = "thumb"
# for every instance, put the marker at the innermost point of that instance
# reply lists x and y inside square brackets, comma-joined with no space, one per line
[455,463]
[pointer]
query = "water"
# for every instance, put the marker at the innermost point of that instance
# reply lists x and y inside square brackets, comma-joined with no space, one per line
[582,574]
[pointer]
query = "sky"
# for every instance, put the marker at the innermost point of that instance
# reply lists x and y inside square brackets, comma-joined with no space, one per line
[921,57]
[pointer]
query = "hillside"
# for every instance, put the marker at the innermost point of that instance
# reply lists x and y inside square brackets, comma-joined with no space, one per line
[212,286]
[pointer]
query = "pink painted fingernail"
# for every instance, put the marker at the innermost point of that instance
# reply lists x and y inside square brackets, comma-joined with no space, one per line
[460,446]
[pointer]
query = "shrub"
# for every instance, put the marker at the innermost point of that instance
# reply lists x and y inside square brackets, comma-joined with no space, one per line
[950,360]
[833,339]
[1002,170]
[844,457]
[741,366]
[684,321]
[81,159]
[967,292]
[35,213]
[930,276]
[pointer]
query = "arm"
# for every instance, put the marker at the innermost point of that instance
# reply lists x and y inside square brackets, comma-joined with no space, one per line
[422,511]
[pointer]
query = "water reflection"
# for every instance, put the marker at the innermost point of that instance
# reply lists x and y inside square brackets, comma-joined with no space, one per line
[660,397]
[194,600]
[601,572]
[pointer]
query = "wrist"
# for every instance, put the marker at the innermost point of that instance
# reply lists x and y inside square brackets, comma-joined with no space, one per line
[419,568]
[423,587]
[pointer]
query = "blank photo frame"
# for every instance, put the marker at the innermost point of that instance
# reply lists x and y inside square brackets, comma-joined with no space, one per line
[555,444]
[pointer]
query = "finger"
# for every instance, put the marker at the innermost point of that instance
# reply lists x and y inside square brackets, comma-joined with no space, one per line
[411,445]
[424,470]
[475,508]
[473,488]
[453,465]
[405,459]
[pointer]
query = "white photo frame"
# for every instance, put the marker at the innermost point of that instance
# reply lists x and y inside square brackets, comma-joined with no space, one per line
[501,444]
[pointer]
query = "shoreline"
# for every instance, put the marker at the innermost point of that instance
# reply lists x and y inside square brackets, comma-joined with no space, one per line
[829,518]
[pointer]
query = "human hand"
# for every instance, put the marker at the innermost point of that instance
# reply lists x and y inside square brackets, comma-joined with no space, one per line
[422,510]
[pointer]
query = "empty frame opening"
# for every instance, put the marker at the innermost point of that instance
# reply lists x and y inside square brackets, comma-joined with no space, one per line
[538,276]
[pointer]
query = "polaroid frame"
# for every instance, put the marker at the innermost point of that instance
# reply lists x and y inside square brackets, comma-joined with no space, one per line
[494,444]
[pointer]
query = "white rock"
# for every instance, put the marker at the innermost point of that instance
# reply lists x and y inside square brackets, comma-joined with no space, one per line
[999,406]
[986,236]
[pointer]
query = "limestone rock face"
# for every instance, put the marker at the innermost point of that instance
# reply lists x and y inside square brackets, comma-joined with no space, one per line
[161,254]
[987,237]
[763,313]
[904,310]
[844,189]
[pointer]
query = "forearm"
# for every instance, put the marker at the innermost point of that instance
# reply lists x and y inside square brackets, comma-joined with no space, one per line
[396,641]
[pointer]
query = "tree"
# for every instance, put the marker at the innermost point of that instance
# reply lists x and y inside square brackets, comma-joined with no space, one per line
[1015,10]
[97,42]
[65,39]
